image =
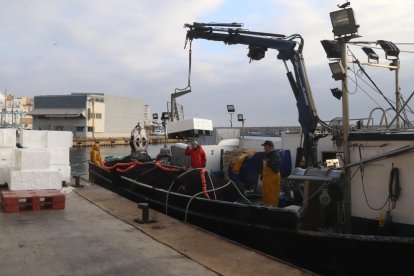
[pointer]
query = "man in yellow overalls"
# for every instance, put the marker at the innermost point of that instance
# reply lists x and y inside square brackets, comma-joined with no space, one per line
[96,155]
[270,174]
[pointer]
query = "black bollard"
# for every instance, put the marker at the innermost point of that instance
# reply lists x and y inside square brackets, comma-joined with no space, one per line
[145,214]
[77,181]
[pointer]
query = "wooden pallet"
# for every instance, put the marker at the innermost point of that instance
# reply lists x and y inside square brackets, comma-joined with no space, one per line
[32,200]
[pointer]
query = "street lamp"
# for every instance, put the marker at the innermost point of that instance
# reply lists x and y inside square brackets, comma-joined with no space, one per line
[165,116]
[241,119]
[231,110]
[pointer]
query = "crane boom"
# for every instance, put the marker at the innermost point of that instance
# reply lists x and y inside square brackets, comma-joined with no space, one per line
[289,48]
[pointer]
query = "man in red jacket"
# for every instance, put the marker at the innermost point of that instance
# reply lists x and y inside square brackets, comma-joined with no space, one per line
[197,154]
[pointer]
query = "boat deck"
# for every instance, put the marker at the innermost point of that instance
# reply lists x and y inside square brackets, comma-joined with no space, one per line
[96,234]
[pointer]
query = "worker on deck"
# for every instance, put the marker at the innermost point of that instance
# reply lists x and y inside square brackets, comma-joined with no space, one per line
[270,174]
[197,154]
[96,155]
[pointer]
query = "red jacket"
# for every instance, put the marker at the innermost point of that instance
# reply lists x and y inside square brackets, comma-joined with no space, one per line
[198,157]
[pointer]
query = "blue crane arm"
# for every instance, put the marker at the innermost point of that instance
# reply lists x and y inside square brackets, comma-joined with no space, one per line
[289,48]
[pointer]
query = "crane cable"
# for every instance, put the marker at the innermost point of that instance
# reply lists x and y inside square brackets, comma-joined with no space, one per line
[188,87]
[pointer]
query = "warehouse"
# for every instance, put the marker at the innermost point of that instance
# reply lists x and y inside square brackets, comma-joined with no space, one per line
[88,115]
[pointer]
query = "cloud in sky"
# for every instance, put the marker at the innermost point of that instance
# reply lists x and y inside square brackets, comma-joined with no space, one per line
[135,48]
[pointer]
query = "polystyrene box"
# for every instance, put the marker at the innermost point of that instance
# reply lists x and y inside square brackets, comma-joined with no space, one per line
[7,155]
[33,138]
[4,173]
[7,137]
[64,170]
[32,159]
[59,139]
[59,156]
[34,180]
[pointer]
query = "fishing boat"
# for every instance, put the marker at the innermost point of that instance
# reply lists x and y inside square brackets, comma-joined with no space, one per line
[349,213]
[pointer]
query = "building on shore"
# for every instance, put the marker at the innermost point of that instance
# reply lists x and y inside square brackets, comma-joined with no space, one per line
[13,111]
[88,115]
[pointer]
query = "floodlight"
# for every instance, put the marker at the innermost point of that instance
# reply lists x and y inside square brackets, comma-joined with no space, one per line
[390,49]
[370,53]
[155,116]
[165,116]
[343,23]
[336,93]
[332,49]
[230,108]
[338,71]
[240,117]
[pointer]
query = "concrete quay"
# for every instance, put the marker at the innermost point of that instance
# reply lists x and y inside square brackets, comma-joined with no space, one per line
[96,234]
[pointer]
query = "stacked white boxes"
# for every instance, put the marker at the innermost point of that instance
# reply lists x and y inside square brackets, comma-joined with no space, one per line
[58,144]
[7,148]
[43,162]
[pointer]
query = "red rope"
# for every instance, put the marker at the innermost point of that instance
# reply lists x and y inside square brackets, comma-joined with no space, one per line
[164,168]
[204,182]
[122,165]
[127,169]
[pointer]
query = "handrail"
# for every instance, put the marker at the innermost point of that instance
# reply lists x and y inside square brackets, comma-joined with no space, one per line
[384,116]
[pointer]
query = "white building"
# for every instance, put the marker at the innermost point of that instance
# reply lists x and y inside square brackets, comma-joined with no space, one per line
[13,111]
[88,115]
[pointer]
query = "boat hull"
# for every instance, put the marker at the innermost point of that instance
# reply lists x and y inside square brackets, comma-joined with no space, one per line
[273,231]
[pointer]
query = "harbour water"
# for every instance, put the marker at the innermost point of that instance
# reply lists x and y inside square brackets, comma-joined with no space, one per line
[79,157]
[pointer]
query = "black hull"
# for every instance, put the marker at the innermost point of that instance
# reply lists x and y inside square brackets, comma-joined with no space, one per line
[273,231]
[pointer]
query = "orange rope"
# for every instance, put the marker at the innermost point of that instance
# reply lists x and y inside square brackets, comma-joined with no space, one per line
[164,168]
[117,165]
[127,169]
[204,182]
[122,165]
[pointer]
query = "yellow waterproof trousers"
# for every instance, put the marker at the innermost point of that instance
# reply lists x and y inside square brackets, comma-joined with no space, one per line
[271,185]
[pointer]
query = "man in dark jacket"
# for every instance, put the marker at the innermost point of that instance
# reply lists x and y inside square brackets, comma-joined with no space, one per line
[270,174]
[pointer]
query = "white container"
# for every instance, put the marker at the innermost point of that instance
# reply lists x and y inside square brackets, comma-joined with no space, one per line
[7,137]
[4,173]
[59,156]
[59,139]
[64,170]
[33,138]
[7,155]
[32,159]
[34,180]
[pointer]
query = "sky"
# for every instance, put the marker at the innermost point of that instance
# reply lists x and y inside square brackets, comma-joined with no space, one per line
[136,49]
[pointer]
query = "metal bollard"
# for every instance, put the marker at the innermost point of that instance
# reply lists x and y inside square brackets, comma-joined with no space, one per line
[145,214]
[77,181]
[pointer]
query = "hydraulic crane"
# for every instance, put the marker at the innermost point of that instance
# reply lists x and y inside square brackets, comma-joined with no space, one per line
[289,48]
